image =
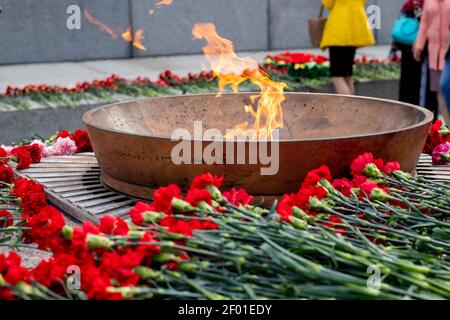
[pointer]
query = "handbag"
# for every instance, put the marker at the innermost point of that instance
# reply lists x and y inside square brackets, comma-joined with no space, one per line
[316,27]
[405,30]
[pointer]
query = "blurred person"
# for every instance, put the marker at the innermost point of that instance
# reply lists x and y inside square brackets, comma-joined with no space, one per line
[414,76]
[434,31]
[445,84]
[346,30]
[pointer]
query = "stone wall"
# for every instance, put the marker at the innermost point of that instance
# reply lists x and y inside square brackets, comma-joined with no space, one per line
[35,30]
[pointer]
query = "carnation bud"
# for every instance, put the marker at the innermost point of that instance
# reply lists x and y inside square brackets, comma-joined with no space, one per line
[355,191]
[380,195]
[444,131]
[181,205]
[258,210]
[205,207]
[299,213]
[299,224]
[372,171]
[326,184]
[67,232]
[151,216]
[165,257]
[28,290]
[98,242]
[317,205]
[188,267]
[403,174]
[215,193]
[146,273]
[173,236]
[126,292]
[136,234]
[241,260]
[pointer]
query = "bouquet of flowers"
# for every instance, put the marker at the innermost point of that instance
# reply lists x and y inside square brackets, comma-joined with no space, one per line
[298,65]
[318,243]
[438,143]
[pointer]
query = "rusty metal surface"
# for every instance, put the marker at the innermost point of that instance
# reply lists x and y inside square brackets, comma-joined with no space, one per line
[133,146]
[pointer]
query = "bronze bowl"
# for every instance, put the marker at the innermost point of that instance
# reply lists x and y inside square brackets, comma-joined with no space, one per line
[132,140]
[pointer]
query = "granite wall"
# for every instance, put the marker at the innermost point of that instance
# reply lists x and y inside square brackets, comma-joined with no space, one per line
[36,30]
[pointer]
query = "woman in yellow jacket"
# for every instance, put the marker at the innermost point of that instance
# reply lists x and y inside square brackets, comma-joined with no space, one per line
[347,28]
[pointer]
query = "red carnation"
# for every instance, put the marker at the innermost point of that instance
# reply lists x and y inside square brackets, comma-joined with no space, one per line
[113,226]
[391,166]
[162,198]
[82,141]
[359,164]
[3,156]
[64,134]
[195,196]
[434,138]
[35,152]
[46,227]
[204,180]
[6,175]
[238,197]
[284,208]
[22,157]
[120,267]
[314,176]
[137,212]
[52,273]
[367,187]
[186,227]
[32,196]
[343,185]
[12,273]
[4,215]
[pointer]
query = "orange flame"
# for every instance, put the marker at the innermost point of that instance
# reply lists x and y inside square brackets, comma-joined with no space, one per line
[233,70]
[164,2]
[137,40]
[127,35]
[103,27]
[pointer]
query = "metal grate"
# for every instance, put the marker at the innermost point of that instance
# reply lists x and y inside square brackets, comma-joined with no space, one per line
[437,173]
[73,185]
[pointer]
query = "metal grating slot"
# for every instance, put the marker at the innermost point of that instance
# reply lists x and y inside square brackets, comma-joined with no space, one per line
[73,185]
[436,173]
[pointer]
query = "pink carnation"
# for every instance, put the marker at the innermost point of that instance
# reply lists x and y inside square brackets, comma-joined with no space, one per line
[62,147]
[441,154]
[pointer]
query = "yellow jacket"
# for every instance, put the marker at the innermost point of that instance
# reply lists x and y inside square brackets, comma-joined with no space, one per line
[347,24]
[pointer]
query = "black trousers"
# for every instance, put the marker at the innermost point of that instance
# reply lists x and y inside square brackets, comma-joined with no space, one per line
[410,81]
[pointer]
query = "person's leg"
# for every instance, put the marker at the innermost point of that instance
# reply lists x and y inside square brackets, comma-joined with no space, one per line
[410,77]
[350,84]
[350,53]
[341,85]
